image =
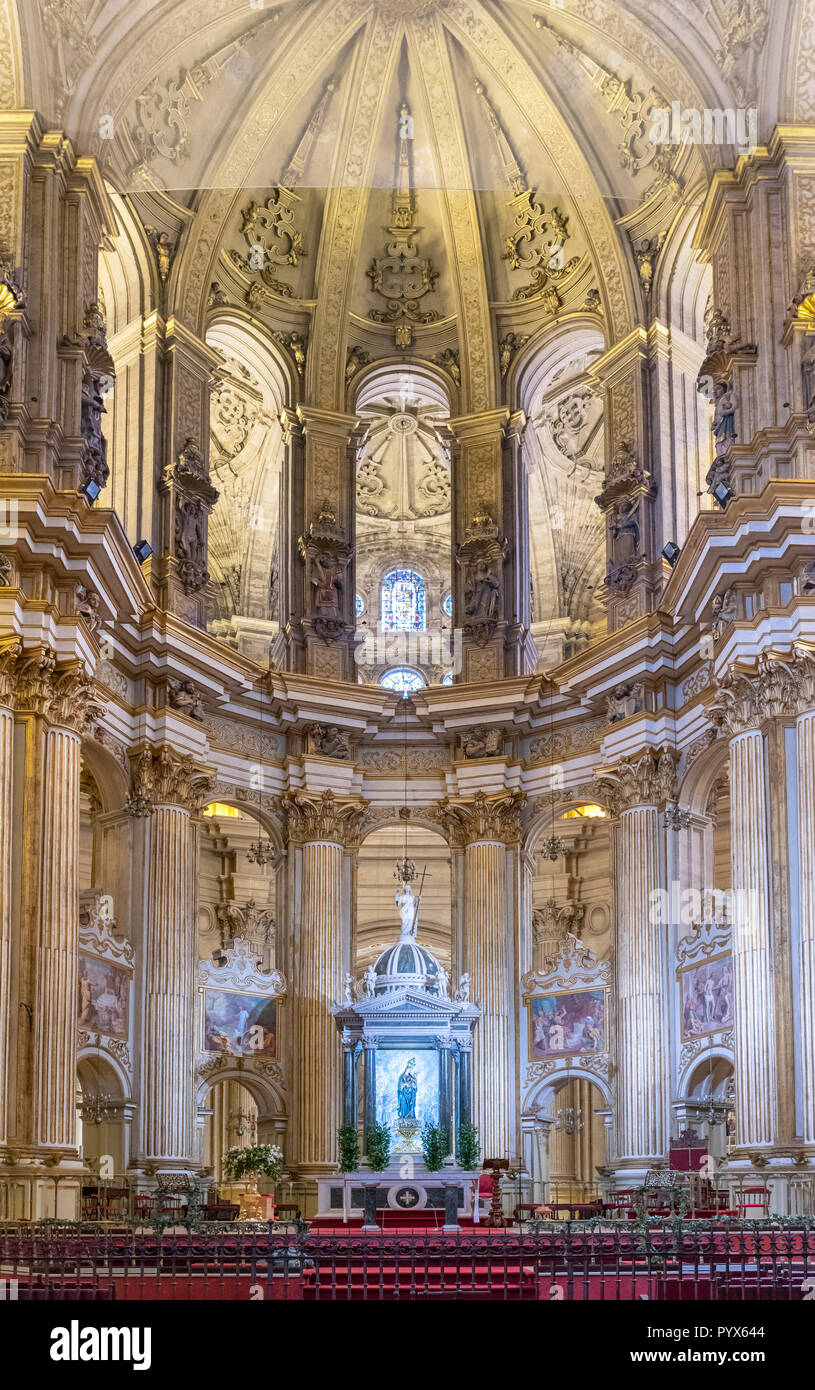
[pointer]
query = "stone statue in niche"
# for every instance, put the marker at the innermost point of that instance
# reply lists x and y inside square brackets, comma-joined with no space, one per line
[625,532]
[481,588]
[724,415]
[95,465]
[6,369]
[626,700]
[185,697]
[462,995]
[481,742]
[190,539]
[330,741]
[326,581]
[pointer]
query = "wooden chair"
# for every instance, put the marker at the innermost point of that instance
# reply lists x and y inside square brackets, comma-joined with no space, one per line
[756,1200]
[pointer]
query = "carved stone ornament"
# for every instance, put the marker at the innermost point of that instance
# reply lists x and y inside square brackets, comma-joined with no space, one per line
[237,966]
[356,359]
[248,921]
[97,929]
[481,557]
[777,685]
[310,818]
[508,348]
[553,923]
[707,939]
[482,742]
[64,695]
[166,778]
[650,781]
[575,965]
[483,818]
[330,741]
[627,699]
[12,300]
[185,697]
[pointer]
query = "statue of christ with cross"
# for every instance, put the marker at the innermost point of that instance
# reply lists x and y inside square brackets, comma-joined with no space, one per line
[409,908]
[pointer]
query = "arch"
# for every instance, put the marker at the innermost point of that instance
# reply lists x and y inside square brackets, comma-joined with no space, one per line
[104,1067]
[267,1095]
[541,1097]
[393,376]
[699,779]
[269,820]
[109,774]
[128,275]
[700,1061]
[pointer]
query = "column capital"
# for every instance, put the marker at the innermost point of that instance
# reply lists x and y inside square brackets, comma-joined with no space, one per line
[483,818]
[648,781]
[10,649]
[465,1044]
[163,777]
[444,1041]
[777,685]
[322,818]
[65,694]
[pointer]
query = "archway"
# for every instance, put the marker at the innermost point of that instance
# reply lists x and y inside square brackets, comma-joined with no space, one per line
[709,1103]
[403,527]
[377,918]
[238,896]
[104,1112]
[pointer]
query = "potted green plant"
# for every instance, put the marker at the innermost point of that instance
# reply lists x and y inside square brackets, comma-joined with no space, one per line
[246,1165]
[468,1149]
[378,1144]
[348,1140]
[434,1147]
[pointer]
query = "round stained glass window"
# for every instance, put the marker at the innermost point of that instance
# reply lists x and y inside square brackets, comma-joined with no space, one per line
[360,605]
[447,605]
[402,678]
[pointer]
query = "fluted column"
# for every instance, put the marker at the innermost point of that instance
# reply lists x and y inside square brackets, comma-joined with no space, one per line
[443,1042]
[369,1046]
[487,828]
[9,651]
[743,703]
[322,827]
[175,788]
[804,670]
[635,792]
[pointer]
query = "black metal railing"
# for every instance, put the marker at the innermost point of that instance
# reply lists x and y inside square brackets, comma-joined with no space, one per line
[569,1261]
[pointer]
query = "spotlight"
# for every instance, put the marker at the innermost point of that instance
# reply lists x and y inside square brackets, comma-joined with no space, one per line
[90,490]
[142,551]
[671,553]
[722,494]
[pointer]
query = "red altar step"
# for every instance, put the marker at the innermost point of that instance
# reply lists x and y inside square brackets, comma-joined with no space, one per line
[430,1219]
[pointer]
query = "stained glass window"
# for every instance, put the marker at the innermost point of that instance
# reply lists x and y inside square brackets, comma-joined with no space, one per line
[448,679]
[402,678]
[404,602]
[360,604]
[447,605]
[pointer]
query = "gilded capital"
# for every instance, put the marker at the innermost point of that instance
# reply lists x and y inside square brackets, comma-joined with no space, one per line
[778,685]
[10,650]
[322,818]
[483,818]
[65,695]
[165,778]
[649,781]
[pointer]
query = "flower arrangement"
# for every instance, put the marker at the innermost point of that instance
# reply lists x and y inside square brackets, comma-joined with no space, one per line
[254,1161]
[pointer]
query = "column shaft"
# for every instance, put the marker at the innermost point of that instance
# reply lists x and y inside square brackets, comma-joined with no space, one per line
[805,1004]
[488,961]
[6,737]
[168,1102]
[445,1098]
[58,943]
[642,989]
[319,1092]
[753,999]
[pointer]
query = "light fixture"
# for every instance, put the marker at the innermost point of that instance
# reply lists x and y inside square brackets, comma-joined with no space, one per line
[90,490]
[671,553]
[722,494]
[676,819]
[570,1121]
[142,551]
[552,848]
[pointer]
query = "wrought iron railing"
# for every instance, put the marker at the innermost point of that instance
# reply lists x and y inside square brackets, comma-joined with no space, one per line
[571,1261]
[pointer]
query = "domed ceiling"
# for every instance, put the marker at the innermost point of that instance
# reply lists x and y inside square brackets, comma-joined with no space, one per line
[445,182]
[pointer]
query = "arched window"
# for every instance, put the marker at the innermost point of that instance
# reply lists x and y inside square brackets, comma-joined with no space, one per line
[404,602]
[447,605]
[402,678]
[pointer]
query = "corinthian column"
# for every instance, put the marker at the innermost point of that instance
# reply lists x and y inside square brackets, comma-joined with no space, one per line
[804,1008]
[487,828]
[634,793]
[739,712]
[9,651]
[322,829]
[173,788]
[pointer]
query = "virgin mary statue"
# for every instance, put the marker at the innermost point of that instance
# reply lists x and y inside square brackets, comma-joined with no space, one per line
[406,1088]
